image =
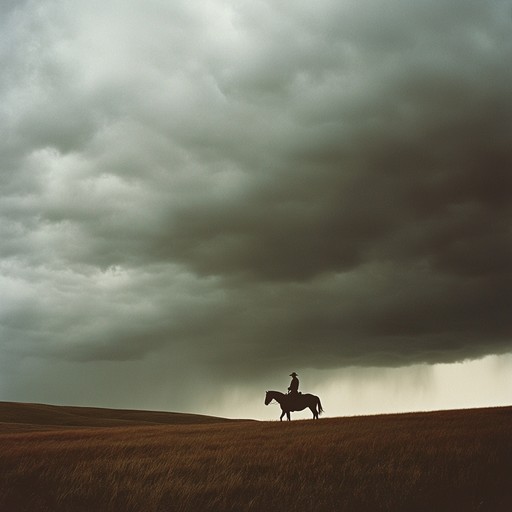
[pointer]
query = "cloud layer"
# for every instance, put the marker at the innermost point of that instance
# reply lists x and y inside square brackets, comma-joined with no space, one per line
[246,187]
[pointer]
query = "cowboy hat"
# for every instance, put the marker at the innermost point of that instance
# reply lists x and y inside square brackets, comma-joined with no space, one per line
[293,374]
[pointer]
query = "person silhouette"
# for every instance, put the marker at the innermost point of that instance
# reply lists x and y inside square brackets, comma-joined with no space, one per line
[293,389]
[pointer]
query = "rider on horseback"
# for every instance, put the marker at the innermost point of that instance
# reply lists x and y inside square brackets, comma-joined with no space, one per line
[293,389]
[295,400]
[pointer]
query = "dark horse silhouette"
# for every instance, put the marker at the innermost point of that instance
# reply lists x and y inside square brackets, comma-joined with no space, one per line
[292,402]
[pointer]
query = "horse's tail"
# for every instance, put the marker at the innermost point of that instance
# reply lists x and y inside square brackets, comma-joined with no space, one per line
[319,404]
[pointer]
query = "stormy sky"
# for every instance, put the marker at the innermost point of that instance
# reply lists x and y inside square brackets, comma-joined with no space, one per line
[198,198]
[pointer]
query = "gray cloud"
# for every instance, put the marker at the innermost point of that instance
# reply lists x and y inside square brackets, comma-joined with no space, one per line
[251,186]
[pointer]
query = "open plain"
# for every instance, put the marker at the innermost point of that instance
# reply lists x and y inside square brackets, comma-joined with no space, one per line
[59,459]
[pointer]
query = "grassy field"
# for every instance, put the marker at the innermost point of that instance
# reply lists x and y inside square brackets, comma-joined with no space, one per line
[451,460]
[19,416]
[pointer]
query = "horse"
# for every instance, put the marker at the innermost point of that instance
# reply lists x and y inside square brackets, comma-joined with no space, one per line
[292,402]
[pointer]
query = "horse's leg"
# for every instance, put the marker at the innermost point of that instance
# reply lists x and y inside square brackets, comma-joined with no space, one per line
[282,414]
[313,410]
[288,415]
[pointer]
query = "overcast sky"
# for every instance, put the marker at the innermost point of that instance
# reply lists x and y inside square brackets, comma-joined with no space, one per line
[199,197]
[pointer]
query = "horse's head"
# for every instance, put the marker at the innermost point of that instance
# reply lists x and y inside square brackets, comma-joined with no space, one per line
[268,397]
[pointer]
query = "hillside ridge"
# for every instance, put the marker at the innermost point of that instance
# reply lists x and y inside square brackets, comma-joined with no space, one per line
[28,416]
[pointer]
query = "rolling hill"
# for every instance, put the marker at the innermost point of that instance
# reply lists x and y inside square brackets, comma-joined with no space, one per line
[56,459]
[25,416]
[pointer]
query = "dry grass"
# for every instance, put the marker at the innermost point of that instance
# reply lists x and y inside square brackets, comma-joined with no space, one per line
[454,460]
[19,416]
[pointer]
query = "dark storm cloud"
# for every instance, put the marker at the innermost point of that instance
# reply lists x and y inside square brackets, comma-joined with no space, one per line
[250,185]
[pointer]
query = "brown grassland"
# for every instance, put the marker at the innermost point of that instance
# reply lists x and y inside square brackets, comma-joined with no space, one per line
[437,461]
